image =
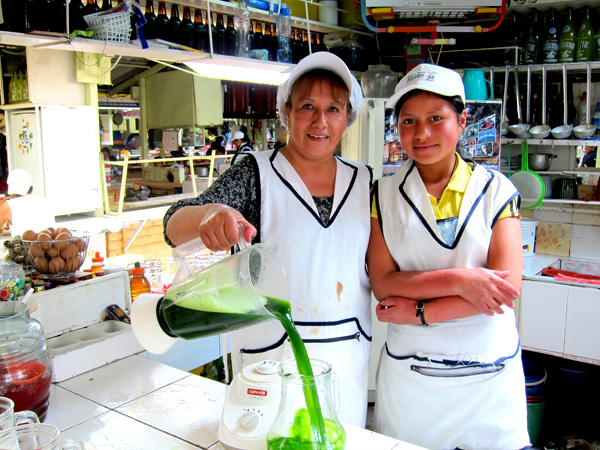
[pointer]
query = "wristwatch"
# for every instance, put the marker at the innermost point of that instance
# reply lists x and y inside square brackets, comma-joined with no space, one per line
[421,313]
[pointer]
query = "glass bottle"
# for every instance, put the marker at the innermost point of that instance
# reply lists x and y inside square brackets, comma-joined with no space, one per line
[379,81]
[274,42]
[219,45]
[106,5]
[294,425]
[154,274]
[25,366]
[258,42]
[296,46]
[566,42]
[305,49]
[550,43]
[24,88]
[532,42]
[267,38]
[138,284]
[230,36]
[321,47]
[514,38]
[149,26]
[201,31]
[243,44]
[91,7]
[174,25]
[585,38]
[187,28]
[160,24]
[97,260]
[251,36]
[58,16]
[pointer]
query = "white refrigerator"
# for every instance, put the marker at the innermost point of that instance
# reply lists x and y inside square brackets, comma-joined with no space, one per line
[59,146]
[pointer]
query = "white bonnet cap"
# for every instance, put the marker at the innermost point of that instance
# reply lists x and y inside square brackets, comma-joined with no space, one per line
[19,182]
[326,61]
[237,135]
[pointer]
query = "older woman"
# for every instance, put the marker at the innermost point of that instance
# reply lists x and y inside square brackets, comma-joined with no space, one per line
[312,208]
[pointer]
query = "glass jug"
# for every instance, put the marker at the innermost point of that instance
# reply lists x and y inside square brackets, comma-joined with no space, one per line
[294,426]
[379,81]
[25,367]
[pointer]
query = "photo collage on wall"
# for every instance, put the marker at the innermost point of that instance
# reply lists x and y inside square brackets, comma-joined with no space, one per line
[480,140]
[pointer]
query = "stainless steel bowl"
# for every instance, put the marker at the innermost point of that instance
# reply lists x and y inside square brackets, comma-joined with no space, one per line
[540,131]
[584,131]
[519,129]
[562,132]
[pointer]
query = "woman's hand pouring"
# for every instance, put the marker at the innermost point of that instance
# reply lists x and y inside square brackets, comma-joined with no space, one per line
[219,229]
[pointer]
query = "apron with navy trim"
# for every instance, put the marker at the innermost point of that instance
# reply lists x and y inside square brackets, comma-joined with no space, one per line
[330,292]
[458,383]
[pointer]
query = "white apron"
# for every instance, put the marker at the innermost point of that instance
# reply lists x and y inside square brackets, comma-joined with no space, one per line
[458,383]
[330,292]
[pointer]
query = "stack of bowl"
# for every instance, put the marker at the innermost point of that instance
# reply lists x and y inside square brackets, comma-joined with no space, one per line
[535,389]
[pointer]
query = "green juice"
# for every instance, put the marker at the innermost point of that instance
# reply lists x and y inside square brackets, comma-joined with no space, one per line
[189,316]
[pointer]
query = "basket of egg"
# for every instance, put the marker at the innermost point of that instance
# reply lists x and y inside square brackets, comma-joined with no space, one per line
[56,252]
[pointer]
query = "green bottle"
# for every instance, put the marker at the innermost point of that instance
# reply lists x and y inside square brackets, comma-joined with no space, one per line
[566,43]
[585,39]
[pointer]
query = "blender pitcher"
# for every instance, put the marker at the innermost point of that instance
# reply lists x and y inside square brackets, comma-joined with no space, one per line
[296,424]
[233,293]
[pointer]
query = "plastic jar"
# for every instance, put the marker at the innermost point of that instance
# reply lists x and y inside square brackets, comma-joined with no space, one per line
[97,265]
[138,284]
[379,81]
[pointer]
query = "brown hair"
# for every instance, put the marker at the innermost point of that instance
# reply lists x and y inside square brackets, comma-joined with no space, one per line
[339,89]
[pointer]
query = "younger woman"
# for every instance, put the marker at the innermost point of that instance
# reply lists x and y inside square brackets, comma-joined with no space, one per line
[445,262]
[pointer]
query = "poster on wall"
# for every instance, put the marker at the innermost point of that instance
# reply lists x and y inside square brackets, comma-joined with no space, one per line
[480,141]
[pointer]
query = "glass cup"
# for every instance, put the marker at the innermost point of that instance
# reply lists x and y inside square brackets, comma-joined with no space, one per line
[9,418]
[36,436]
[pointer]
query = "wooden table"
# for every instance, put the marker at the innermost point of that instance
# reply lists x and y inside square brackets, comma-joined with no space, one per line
[162,187]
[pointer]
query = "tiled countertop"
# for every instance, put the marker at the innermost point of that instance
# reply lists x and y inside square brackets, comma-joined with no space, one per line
[140,404]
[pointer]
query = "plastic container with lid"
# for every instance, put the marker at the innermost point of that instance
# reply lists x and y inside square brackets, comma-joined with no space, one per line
[97,265]
[379,81]
[138,284]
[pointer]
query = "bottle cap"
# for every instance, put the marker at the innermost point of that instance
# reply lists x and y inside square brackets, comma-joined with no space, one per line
[97,258]
[137,270]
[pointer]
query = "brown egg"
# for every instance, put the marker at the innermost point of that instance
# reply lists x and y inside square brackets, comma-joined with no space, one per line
[41,264]
[81,244]
[56,265]
[29,235]
[63,238]
[53,251]
[35,250]
[44,239]
[60,230]
[73,263]
[69,251]
[49,230]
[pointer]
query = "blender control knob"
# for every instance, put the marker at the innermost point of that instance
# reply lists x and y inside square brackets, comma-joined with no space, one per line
[249,421]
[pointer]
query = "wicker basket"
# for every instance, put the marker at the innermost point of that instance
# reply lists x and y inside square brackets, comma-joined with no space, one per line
[114,27]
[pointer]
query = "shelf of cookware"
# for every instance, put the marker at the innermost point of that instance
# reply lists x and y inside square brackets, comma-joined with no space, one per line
[553,142]
[572,67]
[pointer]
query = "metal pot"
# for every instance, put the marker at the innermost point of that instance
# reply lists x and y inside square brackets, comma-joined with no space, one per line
[540,161]
[203,171]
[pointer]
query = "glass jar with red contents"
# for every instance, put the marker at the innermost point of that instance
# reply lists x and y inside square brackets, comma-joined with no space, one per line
[25,367]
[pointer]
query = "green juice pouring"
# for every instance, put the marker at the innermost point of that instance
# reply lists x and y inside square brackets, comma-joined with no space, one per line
[242,290]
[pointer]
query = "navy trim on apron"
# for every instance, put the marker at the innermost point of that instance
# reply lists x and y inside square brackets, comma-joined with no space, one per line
[349,337]
[509,202]
[455,368]
[315,214]
[424,222]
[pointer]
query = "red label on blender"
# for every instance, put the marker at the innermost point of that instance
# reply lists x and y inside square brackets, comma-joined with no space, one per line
[260,392]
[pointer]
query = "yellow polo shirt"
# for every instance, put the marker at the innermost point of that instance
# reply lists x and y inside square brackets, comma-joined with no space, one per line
[451,199]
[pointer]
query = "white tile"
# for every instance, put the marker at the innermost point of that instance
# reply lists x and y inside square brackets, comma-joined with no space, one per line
[584,242]
[113,431]
[360,439]
[67,409]
[190,408]
[122,381]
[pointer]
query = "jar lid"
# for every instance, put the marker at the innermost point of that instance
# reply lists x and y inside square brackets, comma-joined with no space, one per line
[97,258]
[137,270]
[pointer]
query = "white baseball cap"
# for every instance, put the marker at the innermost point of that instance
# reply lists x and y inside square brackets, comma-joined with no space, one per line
[19,182]
[431,78]
[325,61]
[237,135]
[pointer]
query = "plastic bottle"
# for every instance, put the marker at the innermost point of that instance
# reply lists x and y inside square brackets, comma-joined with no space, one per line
[98,265]
[138,284]
[242,43]
[284,33]
[582,113]
[596,119]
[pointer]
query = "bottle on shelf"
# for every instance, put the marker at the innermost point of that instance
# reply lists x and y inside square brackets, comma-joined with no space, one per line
[14,89]
[566,41]
[138,284]
[106,5]
[187,28]
[243,44]
[596,119]
[321,47]
[201,31]
[305,49]
[296,45]
[24,87]
[514,38]
[585,38]
[219,45]
[251,36]
[160,24]
[230,37]
[532,42]
[57,14]
[174,25]
[91,7]
[550,42]
[258,42]
[267,39]
[274,43]
[97,265]
[149,26]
